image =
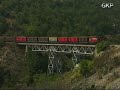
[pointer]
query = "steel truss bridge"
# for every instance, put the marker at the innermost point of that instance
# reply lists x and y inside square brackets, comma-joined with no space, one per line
[55,49]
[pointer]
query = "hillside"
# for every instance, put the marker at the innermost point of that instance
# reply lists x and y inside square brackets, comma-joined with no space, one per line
[107,76]
[60,18]
[20,72]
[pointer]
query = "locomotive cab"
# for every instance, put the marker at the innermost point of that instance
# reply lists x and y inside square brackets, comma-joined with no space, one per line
[93,39]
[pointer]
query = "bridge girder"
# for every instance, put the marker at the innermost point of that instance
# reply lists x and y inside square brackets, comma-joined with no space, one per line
[63,49]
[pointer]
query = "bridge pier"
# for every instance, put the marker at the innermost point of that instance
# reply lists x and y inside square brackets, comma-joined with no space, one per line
[74,56]
[54,61]
[26,50]
[51,62]
[58,65]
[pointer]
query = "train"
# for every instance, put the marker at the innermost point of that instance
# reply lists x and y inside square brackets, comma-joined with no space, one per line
[34,39]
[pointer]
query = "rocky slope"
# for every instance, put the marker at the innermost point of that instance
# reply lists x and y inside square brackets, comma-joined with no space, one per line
[12,65]
[107,76]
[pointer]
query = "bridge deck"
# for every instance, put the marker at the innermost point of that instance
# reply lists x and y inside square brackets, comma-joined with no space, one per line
[52,44]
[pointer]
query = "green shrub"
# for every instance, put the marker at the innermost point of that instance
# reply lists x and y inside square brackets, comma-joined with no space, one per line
[102,46]
[2,28]
[115,39]
[2,43]
[1,76]
[86,68]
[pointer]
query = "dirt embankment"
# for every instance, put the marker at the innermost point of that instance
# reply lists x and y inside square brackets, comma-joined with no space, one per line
[11,52]
[107,76]
[12,59]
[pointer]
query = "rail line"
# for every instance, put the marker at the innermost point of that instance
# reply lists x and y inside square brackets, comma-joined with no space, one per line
[56,44]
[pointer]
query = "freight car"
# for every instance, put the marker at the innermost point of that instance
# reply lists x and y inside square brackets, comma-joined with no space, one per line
[21,39]
[43,39]
[84,39]
[32,39]
[73,39]
[9,39]
[62,39]
[52,39]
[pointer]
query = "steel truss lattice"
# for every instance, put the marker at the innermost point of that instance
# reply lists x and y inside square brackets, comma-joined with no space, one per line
[54,49]
[51,59]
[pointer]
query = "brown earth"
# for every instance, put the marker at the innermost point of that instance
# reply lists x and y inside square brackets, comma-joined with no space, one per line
[107,76]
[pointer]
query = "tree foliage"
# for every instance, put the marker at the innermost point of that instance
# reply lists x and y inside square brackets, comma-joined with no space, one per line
[60,17]
[86,68]
[55,18]
[102,46]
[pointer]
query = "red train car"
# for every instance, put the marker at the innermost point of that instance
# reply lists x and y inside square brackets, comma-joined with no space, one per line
[63,39]
[21,39]
[9,39]
[32,39]
[93,39]
[73,40]
[83,39]
[43,39]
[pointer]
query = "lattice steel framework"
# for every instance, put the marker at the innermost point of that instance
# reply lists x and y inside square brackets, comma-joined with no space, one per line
[52,49]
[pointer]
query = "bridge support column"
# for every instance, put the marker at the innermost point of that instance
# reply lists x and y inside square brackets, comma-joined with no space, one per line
[54,61]
[74,57]
[51,60]
[26,50]
[58,64]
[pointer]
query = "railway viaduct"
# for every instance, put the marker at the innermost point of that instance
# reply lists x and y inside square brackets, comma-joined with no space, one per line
[55,49]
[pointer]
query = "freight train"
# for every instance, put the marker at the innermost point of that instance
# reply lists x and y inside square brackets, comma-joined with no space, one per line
[33,39]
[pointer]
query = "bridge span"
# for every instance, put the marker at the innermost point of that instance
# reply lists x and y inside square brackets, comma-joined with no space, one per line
[53,49]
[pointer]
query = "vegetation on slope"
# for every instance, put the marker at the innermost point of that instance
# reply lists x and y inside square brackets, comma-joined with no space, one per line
[59,17]
[52,18]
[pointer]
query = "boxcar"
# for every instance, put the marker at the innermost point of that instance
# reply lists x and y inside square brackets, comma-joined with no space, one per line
[9,39]
[73,39]
[83,39]
[32,39]
[53,39]
[42,39]
[63,40]
[21,39]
